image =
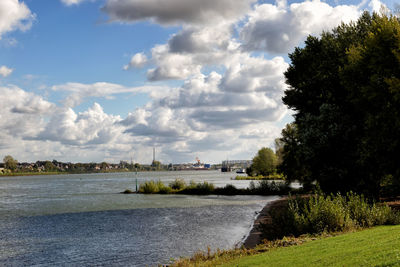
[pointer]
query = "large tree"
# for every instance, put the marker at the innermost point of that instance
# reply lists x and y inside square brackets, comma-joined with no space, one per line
[264,163]
[345,90]
[10,163]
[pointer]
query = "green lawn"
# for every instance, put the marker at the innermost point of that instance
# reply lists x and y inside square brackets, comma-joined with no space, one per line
[379,246]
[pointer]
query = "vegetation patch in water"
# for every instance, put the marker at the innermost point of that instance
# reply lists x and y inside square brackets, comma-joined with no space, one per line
[262,187]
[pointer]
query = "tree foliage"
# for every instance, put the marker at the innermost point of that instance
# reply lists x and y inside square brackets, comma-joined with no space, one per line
[345,90]
[10,163]
[264,163]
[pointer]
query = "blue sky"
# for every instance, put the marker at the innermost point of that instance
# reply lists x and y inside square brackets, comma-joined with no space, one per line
[87,80]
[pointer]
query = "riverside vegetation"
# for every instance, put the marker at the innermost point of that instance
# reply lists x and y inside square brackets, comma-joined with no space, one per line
[179,186]
[316,220]
[274,176]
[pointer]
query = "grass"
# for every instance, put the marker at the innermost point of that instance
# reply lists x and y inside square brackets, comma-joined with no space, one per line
[379,246]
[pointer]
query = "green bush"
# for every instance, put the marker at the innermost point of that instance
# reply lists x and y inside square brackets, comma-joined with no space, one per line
[204,188]
[178,184]
[228,189]
[327,213]
[152,187]
[265,187]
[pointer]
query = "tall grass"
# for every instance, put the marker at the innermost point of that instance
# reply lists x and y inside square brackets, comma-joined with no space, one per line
[154,187]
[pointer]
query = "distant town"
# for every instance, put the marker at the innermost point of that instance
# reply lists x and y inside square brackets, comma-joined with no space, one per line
[11,165]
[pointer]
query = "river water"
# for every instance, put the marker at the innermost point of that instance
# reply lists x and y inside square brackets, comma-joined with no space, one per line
[83,220]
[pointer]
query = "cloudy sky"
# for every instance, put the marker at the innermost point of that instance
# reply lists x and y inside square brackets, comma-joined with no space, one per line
[94,80]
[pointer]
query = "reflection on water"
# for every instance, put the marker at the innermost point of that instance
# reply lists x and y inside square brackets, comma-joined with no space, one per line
[81,219]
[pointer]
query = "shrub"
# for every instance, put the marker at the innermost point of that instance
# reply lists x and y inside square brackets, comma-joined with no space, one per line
[204,188]
[149,187]
[229,189]
[265,187]
[178,184]
[252,186]
[327,213]
[152,187]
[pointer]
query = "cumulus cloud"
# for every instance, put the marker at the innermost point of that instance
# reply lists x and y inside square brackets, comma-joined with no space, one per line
[256,74]
[189,50]
[176,11]
[33,128]
[137,61]
[207,103]
[172,65]
[279,28]
[5,71]
[85,128]
[21,112]
[14,15]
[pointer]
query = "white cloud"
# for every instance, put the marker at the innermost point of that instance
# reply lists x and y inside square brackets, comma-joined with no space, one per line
[188,51]
[176,11]
[21,112]
[5,71]
[86,128]
[14,15]
[35,129]
[171,65]
[206,105]
[138,60]
[279,28]
[78,92]
[378,7]
[72,2]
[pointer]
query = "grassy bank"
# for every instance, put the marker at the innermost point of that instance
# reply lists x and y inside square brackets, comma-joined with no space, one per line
[302,220]
[379,246]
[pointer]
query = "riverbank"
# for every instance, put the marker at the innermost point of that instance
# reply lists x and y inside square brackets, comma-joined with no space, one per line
[255,237]
[275,227]
[264,218]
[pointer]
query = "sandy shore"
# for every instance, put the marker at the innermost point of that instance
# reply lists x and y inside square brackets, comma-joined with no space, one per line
[255,236]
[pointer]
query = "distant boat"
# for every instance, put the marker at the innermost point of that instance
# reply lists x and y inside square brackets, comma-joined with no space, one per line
[241,171]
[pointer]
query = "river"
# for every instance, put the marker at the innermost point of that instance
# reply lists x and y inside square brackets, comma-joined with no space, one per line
[83,220]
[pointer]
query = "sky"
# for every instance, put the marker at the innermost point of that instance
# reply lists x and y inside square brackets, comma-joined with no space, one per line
[108,80]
